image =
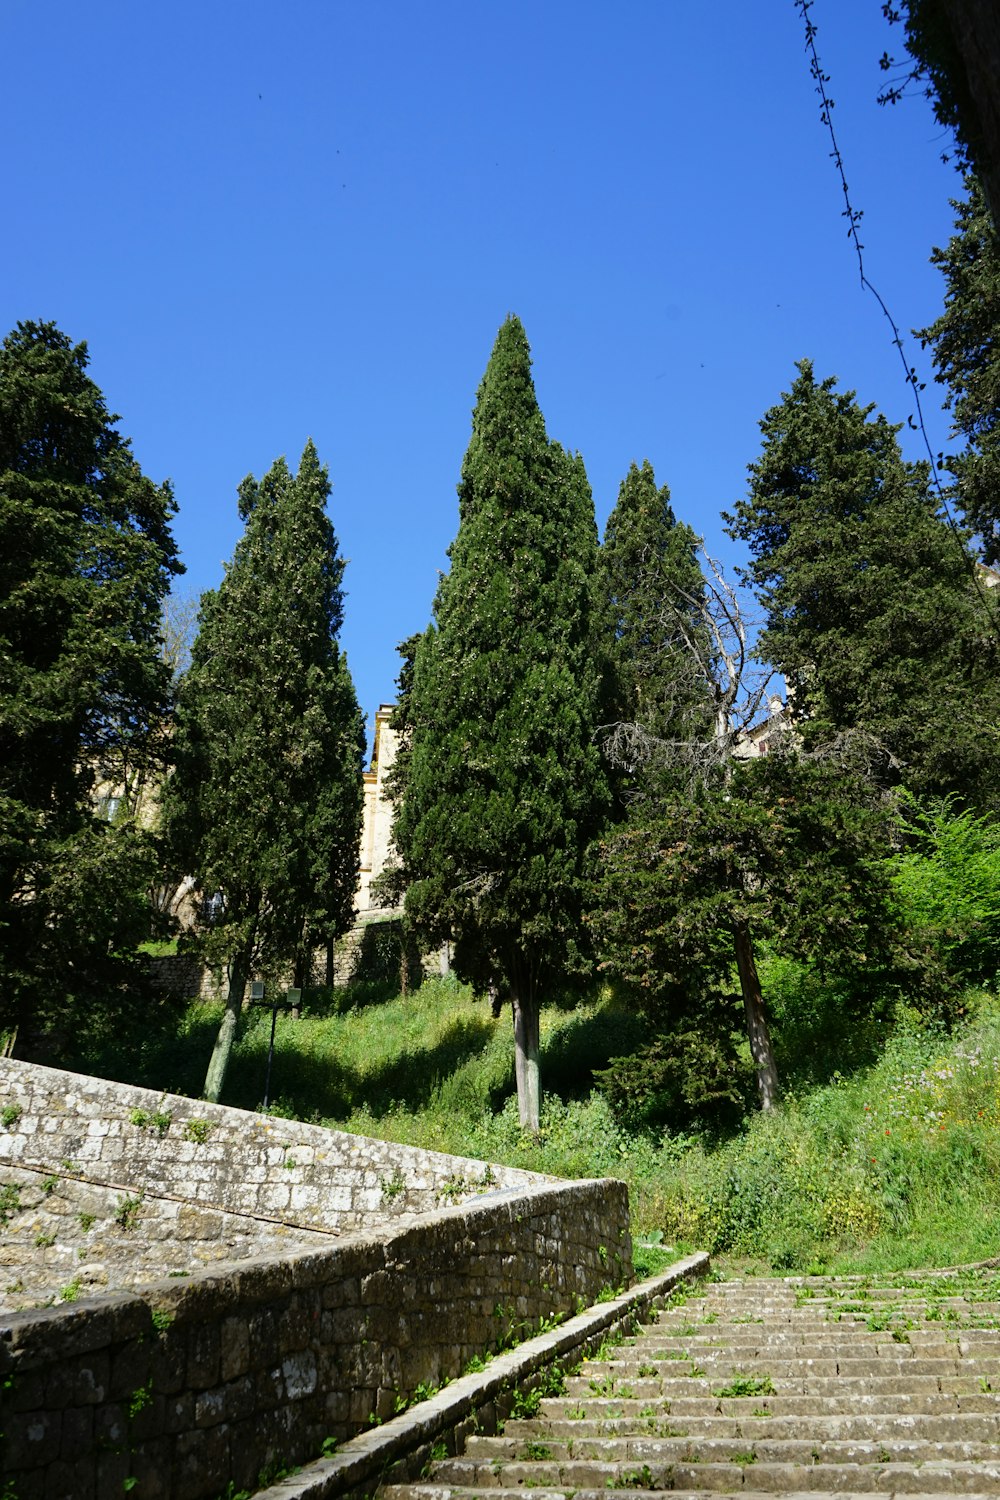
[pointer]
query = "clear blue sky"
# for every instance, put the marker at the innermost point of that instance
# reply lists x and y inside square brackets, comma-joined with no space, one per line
[271,222]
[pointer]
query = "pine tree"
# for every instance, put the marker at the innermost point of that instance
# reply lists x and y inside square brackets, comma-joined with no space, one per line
[504,785]
[86,559]
[264,807]
[966,344]
[872,613]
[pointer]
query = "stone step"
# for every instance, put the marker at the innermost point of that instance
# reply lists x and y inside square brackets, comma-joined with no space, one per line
[430,1490]
[845,1388]
[435,1491]
[818,1448]
[946,1426]
[654,1472]
[932,1402]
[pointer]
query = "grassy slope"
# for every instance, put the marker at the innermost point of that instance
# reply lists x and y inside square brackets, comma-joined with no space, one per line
[894,1164]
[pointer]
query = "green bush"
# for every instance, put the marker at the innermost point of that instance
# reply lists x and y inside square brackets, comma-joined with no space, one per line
[947,884]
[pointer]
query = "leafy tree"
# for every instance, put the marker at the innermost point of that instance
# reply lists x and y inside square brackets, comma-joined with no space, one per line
[872,613]
[264,807]
[947,882]
[504,784]
[86,559]
[784,850]
[651,589]
[966,344]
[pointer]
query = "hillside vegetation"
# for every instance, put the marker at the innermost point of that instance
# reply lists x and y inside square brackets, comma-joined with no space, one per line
[891,1161]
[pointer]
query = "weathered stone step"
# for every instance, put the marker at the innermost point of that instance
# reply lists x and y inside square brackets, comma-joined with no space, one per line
[723,1386]
[631,1448]
[726,1370]
[433,1491]
[845,1401]
[873,1346]
[949,1426]
[656,1473]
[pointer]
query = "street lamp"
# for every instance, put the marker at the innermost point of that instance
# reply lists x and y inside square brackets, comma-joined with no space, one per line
[293,999]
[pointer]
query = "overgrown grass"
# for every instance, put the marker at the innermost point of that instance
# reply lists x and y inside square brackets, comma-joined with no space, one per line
[885,1153]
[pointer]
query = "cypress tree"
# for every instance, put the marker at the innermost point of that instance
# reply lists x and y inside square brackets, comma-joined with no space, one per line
[86,559]
[504,786]
[264,807]
[872,613]
[651,593]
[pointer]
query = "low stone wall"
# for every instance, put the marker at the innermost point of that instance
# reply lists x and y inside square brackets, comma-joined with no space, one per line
[108,1186]
[195,1384]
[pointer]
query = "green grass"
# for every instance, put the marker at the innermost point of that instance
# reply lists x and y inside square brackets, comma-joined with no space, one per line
[884,1156]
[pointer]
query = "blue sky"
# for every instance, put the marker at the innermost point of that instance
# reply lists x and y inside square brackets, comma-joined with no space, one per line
[275,222]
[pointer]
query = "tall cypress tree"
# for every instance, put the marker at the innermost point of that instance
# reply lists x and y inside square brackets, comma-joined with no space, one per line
[872,613]
[264,807]
[651,592]
[504,787]
[86,559]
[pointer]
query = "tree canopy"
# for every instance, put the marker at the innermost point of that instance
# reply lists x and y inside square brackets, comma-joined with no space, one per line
[651,589]
[965,341]
[871,607]
[86,560]
[264,806]
[504,785]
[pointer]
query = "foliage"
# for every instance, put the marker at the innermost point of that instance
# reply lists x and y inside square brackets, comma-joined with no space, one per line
[947,881]
[504,787]
[965,341]
[264,807]
[790,851]
[871,611]
[885,1153]
[650,589]
[386,956]
[86,559]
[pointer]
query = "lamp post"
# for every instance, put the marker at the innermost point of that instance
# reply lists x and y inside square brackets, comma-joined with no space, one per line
[293,999]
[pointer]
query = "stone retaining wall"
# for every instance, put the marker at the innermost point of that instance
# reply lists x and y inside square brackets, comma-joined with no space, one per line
[229,1158]
[197,1383]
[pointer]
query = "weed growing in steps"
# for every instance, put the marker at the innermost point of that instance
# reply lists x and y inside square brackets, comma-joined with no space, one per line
[746,1385]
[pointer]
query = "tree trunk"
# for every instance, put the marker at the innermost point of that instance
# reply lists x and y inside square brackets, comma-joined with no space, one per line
[239,971]
[753,1002]
[526,1059]
[329,963]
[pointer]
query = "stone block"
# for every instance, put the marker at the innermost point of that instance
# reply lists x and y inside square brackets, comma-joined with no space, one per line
[77,1432]
[32,1438]
[299,1373]
[234,1348]
[65,1480]
[201,1462]
[203,1356]
[131,1367]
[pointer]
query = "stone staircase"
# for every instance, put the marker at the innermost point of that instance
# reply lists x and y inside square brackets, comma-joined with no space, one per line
[763,1386]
